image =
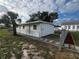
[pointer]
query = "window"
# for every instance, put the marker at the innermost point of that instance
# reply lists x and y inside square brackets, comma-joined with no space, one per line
[78,27]
[73,27]
[34,27]
[65,27]
[68,27]
[23,27]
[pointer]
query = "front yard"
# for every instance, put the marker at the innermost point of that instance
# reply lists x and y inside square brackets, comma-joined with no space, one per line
[9,44]
[13,44]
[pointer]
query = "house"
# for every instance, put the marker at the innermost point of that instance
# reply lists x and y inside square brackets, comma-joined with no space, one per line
[36,28]
[71,25]
[2,25]
[57,28]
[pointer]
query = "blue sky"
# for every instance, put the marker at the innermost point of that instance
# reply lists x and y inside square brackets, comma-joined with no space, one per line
[70,9]
[72,15]
[67,9]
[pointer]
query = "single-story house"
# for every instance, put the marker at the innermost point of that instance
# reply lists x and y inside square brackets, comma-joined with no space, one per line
[36,28]
[71,25]
[2,24]
[57,28]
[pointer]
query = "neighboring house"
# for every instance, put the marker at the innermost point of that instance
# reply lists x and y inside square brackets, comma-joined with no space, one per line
[2,25]
[71,25]
[36,28]
[57,28]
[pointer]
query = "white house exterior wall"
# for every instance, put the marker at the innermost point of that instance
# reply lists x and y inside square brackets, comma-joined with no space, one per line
[46,29]
[2,25]
[34,32]
[42,30]
[26,30]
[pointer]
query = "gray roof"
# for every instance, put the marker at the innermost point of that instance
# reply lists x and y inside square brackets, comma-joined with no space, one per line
[71,23]
[36,22]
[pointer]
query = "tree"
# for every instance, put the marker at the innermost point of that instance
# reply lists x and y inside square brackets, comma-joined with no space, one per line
[10,18]
[5,19]
[19,21]
[44,16]
[13,16]
[53,15]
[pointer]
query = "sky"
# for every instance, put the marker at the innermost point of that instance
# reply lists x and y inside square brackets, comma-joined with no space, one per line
[67,9]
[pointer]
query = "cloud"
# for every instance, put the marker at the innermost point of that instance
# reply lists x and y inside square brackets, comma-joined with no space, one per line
[3,9]
[26,7]
[31,6]
[67,6]
[1,1]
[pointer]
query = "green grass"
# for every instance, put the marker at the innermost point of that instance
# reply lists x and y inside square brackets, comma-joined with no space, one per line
[76,37]
[4,33]
[10,43]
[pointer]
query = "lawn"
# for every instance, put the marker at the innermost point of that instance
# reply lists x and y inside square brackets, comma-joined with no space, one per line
[13,44]
[76,37]
[9,43]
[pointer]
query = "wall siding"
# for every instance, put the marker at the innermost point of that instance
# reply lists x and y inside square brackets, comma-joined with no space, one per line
[42,30]
[26,30]
[46,29]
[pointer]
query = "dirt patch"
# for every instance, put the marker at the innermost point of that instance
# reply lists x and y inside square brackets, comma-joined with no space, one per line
[66,55]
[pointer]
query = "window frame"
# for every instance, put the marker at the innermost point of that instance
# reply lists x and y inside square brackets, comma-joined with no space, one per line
[34,27]
[23,27]
[73,26]
[77,26]
[69,27]
[65,27]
